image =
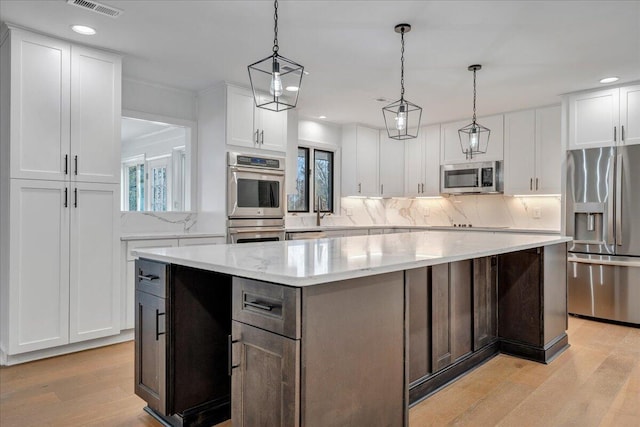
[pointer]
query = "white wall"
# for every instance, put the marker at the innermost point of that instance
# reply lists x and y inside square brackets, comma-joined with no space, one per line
[157,99]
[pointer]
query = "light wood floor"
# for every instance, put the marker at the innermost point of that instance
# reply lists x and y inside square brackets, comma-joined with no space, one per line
[594,383]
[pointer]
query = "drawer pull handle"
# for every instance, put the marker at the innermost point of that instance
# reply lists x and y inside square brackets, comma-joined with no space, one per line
[149,277]
[230,365]
[158,333]
[260,305]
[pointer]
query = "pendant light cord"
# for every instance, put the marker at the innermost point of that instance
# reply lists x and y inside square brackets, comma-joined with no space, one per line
[474,97]
[275,28]
[402,65]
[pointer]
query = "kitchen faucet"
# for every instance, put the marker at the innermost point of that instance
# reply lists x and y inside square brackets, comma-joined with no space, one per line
[318,216]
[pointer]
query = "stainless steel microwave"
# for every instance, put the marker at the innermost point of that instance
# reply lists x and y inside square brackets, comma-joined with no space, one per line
[479,177]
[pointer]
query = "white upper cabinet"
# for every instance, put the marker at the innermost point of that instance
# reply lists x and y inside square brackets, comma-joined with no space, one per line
[431,161]
[360,147]
[532,152]
[549,154]
[414,165]
[630,114]
[64,110]
[422,163]
[451,151]
[95,115]
[392,161]
[40,80]
[249,126]
[604,118]
[593,119]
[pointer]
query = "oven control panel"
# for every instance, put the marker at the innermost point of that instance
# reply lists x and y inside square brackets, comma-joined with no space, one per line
[259,162]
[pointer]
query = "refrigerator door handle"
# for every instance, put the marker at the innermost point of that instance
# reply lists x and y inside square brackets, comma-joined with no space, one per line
[610,240]
[619,200]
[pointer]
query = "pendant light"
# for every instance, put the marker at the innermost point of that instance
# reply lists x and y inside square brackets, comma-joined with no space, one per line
[402,118]
[474,138]
[275,80]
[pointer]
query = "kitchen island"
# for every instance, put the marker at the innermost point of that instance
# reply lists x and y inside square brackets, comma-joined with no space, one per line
[343,331]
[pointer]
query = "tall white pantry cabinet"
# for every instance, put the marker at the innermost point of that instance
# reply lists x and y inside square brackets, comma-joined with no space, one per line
[60,193]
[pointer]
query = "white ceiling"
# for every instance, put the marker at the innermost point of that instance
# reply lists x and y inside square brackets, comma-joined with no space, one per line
[531,51]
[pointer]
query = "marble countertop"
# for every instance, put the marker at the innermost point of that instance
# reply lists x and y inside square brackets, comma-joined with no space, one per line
[169,235]
[302,263]
[304,228]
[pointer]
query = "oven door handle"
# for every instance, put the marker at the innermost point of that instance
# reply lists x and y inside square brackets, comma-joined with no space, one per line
[256,229]
[257,171]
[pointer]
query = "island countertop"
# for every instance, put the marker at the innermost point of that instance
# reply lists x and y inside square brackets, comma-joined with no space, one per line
[302,263]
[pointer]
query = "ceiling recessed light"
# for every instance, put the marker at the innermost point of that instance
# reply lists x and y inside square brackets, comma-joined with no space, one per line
[609,79]
[306,73]
[322,117]
[292,88]
[83,29]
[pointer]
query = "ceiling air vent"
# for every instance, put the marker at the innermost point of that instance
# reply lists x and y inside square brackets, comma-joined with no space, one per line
[96,7]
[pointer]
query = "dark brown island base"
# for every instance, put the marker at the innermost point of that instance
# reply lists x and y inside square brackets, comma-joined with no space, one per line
[351,352]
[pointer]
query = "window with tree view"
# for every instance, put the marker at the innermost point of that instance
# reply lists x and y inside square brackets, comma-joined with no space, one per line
[323,180]
[311,190]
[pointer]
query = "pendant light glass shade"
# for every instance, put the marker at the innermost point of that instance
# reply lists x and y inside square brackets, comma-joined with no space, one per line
[402,117]
[275,80]
[474,138]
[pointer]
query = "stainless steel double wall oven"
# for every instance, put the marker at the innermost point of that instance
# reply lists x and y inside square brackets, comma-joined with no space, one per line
[255,198]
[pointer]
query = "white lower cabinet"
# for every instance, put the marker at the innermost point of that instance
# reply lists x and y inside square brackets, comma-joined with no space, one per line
[63,265]
[94,298]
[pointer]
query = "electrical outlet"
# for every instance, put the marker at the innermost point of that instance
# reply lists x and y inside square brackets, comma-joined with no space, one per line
[537,213]
[349,211]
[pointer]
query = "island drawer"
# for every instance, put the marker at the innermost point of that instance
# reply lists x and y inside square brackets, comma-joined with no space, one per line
[268,306]
[151,277]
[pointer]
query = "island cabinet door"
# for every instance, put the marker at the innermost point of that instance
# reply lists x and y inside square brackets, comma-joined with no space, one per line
[451,313]
[485,299]
[265,380]
[151,351]
[419,311]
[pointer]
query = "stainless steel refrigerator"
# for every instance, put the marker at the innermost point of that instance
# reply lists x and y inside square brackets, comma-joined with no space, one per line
[603,216]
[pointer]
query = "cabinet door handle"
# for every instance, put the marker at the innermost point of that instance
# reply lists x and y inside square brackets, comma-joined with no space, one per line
[66,197]
[257,136]
[359,188]
[381,188]
[418,187]
[66,164]
[230,365]
[622,133]
[149,277]
[75,197]
[530,184]
[158,333]
[262,137]
[615,133]
[422,187]
[536,184]
[75,160]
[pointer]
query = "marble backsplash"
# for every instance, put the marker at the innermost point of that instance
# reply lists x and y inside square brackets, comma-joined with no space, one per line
[487,210]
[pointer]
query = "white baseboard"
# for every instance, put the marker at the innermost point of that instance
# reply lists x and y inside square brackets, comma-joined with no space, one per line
[14,359]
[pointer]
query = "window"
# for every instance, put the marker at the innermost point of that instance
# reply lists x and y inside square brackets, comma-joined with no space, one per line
[133,183]
[319,188]
[323,180]
[299,201]
[159,185]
